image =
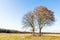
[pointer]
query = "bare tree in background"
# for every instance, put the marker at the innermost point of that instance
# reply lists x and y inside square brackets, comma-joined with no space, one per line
[28,21]
[44,17]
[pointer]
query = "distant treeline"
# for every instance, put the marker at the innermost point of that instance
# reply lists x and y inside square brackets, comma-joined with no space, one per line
[8,31]
[12,31]
[15,31]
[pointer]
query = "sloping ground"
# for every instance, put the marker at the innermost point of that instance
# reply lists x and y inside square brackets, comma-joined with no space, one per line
[4,36]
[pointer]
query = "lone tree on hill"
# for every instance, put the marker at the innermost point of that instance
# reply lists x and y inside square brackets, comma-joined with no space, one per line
[44,17]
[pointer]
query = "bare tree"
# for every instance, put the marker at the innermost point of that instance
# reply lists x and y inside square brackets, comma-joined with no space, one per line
[28,21]
[44,17]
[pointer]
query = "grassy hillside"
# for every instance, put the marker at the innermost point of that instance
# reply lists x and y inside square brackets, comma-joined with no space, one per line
[28,37]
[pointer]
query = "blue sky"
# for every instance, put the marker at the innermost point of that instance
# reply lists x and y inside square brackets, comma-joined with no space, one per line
[12,11]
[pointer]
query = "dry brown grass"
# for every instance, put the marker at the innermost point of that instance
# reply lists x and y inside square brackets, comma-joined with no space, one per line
[12,36]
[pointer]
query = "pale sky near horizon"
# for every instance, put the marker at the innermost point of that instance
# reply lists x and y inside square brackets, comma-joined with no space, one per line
[12,11]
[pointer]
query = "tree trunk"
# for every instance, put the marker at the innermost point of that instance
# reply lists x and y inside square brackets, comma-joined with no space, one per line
[33,33]
[40,31]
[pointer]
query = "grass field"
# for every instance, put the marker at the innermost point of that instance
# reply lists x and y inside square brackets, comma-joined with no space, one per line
[4,36]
